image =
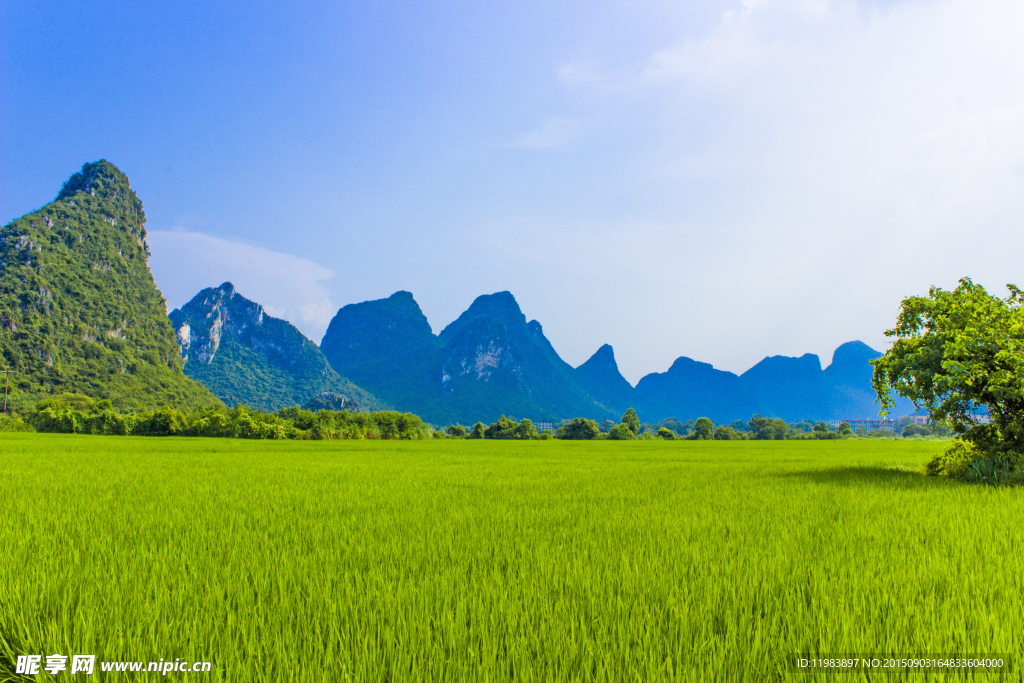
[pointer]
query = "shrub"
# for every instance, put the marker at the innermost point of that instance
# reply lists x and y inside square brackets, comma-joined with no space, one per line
[967,462]
[581,429]
[666,434]
[164,422]
[621,432]
[767,428]
[703,429]
[631,420]
[12,422]
[727,433]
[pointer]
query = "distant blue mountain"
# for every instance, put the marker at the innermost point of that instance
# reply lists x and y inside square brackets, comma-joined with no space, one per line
[490,361]
[601,378]
[779,386]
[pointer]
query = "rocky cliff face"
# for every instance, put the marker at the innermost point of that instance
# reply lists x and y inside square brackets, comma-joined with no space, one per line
[215,312]
[230,345]
[79,310]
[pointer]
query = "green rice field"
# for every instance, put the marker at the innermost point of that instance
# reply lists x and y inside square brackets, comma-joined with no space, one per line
[500,561]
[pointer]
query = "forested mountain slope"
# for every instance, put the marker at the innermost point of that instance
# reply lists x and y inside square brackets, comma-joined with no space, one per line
[241,354]
[79,310]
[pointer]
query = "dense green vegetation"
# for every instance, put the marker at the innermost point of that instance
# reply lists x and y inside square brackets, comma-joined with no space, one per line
[79,311]
[238,374]
[500,560]
[960,354]
[243,355]
[78,414]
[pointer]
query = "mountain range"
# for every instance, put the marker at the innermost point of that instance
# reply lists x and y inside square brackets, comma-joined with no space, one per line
[491,361]
[79,312]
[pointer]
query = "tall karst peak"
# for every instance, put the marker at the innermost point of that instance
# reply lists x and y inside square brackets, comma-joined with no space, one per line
[604,357]
[601,378]
[391,328]
[486,363]
[211,313]
[851,362]
[500,306]
[79,310]
[234,348]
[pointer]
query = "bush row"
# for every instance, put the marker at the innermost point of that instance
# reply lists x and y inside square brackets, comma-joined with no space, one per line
[80,415]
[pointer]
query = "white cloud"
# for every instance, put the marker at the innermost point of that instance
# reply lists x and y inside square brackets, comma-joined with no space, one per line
[554,132]
[809,163]
[289,287]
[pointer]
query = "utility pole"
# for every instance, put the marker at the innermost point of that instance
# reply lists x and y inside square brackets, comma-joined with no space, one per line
[7,381]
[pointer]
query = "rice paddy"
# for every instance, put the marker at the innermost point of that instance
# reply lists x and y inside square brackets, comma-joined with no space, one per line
[499,561]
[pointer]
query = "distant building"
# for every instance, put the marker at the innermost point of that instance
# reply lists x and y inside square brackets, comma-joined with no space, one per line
[543,426]
[877,423]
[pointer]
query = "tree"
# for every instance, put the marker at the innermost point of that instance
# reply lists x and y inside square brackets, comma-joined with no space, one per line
[915,430]
[478,431]
[704,429]
[621,432]
[577,429]
[508,428]
[632,421]
[959,354]
[820,428]
[667,434]
[456,431]
[526,430]
[727,433]
[766,428]
[844,429]
[606,426]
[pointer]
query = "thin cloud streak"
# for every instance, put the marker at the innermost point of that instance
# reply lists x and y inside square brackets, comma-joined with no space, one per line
[288,287]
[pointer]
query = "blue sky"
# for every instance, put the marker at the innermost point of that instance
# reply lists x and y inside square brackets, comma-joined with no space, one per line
[721,180]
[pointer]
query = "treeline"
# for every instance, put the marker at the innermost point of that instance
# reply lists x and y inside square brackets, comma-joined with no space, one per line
[630,427]
[75,414]
[670,429]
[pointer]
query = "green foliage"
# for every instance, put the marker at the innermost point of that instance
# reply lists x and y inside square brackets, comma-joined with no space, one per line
[621,432]
[916,430]
[766,428]
[666,434]
[955,462]
[79,311]
[478,431]
[728,433]
[703,429]
[75,416]
[506,428]
[13,422]
[331,401]
[606,425]
[269,365]
[956,352]
[457,431]
[966,462]
[578,429]
[631,421]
